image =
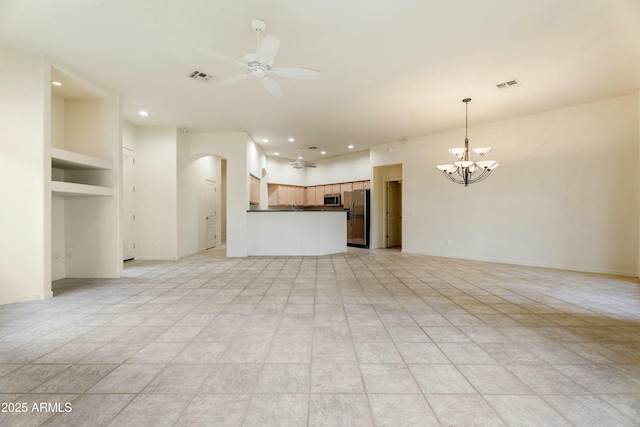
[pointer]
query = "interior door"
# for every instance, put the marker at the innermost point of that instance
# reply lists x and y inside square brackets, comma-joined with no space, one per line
[210,196]
[394,213]
[127,212]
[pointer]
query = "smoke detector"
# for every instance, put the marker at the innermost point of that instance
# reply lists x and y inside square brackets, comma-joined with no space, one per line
[508,84]
[199,76]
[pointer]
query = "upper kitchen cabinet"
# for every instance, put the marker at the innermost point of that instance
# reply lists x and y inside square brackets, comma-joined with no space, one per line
[319,195]
[85,163]
[254,190]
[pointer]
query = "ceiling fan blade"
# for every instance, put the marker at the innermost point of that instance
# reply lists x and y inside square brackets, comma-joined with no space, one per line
[296,73]
[231,80]
[272,87]
[268,48]
[310,165]
[219,56]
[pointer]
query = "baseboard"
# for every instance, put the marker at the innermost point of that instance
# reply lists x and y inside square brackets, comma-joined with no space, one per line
[623,273]
[190,253]
[24,298]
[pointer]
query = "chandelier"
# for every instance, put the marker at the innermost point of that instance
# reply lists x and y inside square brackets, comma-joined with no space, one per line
[470,167]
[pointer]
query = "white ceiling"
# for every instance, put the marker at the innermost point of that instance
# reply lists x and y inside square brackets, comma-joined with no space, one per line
[390,69]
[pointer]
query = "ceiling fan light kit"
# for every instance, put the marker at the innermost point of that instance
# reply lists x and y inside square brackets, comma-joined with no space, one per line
[470,166]
[260,64]
[299,163]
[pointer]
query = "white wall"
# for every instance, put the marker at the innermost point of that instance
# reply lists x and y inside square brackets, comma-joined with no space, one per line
[92,239]
[257,166]
[57,121]
[231,146]
[347,168]
[565,194]
[281,172]
[58,244]
[25,223]
[156,193]
[129,135]
[192,199]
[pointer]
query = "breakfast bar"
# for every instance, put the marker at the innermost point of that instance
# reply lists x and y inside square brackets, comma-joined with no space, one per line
[296,232]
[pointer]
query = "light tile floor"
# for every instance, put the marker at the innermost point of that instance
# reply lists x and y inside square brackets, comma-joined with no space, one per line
[364,338]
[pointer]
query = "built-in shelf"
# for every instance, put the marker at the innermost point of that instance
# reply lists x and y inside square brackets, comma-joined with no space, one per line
[73,189]
[63,159]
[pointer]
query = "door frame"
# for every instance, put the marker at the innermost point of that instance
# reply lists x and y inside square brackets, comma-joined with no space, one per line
[207,182]
[385,222]
[131,194]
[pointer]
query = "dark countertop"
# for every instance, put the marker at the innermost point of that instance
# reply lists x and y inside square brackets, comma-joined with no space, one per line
[300,210]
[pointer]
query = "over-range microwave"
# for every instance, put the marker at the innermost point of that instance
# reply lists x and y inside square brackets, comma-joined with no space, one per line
[332,200]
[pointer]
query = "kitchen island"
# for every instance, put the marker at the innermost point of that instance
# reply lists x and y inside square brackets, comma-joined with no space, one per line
[296,232]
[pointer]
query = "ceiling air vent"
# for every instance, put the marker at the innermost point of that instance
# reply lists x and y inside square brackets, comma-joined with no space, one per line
[508,84]
[313,148]
[199,76]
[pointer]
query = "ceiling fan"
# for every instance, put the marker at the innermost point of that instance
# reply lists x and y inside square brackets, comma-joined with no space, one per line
[260,64]
[299,163]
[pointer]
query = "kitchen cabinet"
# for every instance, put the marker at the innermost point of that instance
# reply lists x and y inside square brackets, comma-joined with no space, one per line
[278,194]
[319,195]
[299,196]
[310,196]
[254,190]
[291,195]
[286,195]
[295,195]
[345,186]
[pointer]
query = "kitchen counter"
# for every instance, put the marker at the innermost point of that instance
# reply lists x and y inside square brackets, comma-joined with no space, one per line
[296,209]
[297,232]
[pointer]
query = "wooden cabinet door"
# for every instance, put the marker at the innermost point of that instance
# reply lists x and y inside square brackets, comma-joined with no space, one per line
[299,196]
[345,186]
[272,189]
[367,185]
[310,196]
[283,195]
[359,185]
[254,190]
[335,189]
[319,195]
[291,195]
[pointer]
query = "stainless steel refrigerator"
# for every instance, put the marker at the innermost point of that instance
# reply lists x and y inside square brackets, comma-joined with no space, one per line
[357,205]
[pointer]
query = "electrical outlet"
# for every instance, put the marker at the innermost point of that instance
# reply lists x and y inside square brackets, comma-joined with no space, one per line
[447,242]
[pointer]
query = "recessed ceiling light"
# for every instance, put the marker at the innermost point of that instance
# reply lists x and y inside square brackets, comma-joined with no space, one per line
[56,83]
[276,154]
[265,140]
[299,157]
[350,147]
[291,139]
[143,113]
[323,152]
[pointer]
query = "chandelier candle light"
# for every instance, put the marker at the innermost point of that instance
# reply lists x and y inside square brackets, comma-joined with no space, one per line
[470,168]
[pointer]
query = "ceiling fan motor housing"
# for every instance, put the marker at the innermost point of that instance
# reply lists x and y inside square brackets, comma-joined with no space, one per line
[258,69]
